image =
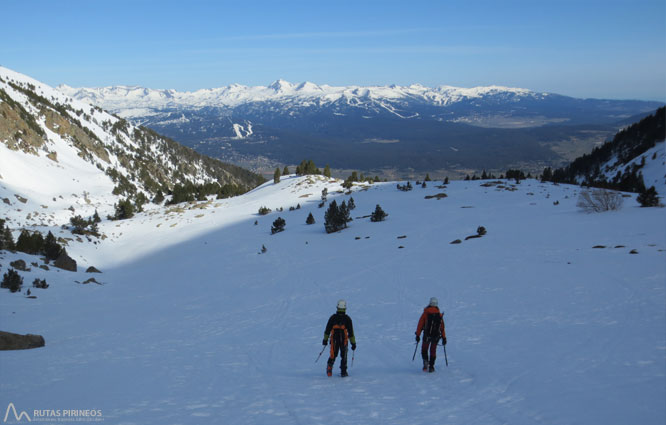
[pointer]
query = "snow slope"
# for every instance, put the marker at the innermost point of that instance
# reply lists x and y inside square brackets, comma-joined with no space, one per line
[193,326]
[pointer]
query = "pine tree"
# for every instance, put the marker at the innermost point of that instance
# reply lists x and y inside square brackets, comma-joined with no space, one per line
[332,221]
[79,225]
[310,219]
[427,177]
[159,197]
[96,218]
[648,198]
[345,217]
[276,175]
[378,214]
[51,248]
[124,209]
[327,171]
[6,240]
[351,205]
[12,280]
[446,180]
[278,225]
[285,172]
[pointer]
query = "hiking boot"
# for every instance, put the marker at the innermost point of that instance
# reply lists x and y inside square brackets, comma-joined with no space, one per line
[329,370]
[425,365]
[344,373]
[431,369]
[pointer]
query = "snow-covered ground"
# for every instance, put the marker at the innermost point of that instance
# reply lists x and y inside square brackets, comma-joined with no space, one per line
[193,326]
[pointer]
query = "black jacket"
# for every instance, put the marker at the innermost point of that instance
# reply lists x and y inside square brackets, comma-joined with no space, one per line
[340,319]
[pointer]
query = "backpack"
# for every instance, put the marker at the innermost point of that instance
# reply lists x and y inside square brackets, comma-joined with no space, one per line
[432,328]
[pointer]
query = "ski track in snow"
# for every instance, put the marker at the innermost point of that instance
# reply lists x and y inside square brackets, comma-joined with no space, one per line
[193,326]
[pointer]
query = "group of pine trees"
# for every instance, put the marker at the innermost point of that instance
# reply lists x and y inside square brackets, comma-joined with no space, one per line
[82,226]
[336,217]
[189,192]
[30,243]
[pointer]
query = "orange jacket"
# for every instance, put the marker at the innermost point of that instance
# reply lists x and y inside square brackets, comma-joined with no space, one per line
[426,311]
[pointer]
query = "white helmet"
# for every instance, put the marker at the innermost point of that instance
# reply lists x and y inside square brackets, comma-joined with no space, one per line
[342,305]
[433,302]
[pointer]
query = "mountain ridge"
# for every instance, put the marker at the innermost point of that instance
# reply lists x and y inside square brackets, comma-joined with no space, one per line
[41,127]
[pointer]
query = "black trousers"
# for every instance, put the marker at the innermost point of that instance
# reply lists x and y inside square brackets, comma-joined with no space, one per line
[338,346]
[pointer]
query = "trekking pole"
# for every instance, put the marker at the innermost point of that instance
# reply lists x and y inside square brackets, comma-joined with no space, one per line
[445,356]
[415,348]
[353,352]
[320,353]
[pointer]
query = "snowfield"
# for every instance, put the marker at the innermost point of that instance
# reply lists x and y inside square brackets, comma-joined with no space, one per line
[192,325]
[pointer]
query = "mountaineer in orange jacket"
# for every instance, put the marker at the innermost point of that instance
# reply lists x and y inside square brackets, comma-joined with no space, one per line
[432,325]
[341,330]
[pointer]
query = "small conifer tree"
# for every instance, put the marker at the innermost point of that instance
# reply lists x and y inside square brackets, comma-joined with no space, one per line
[327,171]
[333,220]
[124,209]
[159,197]
[378,214]
[285,172]
[278,225]
[351,205]
[52,249]
[6,240]
[12,280]
[310,219]
[276,175]
[345,217]
[648,198]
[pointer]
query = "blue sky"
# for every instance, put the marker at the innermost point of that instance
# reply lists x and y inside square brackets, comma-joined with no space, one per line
[584,48]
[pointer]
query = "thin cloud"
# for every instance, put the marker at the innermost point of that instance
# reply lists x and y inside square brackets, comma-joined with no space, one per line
[326,34]
[458,50]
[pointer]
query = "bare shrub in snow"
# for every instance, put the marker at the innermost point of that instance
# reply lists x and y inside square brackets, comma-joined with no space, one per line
[599,200]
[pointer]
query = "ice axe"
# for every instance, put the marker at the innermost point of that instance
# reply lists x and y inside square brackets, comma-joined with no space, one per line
[415,348]
[445,356]
[321,352]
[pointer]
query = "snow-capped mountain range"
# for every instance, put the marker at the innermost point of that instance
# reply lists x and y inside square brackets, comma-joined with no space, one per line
[131,101]
[380,129]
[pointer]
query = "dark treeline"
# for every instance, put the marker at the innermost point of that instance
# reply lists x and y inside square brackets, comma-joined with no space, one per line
[625,146]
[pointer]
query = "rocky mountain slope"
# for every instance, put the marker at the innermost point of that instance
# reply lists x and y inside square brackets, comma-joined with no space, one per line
[87,158]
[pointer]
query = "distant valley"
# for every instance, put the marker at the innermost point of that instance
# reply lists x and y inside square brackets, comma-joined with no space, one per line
[391,131]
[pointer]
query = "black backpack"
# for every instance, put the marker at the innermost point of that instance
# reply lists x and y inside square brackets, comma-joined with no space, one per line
[432,328]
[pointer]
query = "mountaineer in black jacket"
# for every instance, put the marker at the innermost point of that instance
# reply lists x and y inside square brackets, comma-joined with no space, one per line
[341,331]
